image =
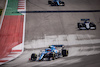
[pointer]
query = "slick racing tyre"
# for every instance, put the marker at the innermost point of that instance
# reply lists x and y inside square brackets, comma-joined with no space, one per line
[78,25]
[33,57]
[93,25]
[49,2]
[63,3]
[64,52]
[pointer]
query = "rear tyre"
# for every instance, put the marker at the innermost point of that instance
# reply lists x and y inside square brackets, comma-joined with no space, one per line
[78,25]
[49,2]
[64,53]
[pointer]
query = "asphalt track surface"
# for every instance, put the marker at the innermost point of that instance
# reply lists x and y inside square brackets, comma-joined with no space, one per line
[58,23]
[39,24]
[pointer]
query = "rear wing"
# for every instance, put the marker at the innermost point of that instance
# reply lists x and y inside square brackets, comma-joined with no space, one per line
[85,19]
[58,45]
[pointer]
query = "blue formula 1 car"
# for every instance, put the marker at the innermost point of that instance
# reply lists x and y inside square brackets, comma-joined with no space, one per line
[86,25]
[56,3]
[50,53]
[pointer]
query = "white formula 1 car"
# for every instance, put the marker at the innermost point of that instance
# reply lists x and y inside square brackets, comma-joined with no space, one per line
[86,25]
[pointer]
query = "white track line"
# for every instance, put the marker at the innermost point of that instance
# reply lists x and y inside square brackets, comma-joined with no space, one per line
[3,13]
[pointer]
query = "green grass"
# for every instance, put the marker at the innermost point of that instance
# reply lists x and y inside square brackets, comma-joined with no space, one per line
[12,8]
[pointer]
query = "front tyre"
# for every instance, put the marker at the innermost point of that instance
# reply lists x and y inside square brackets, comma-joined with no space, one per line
[33,57]
[63,3]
